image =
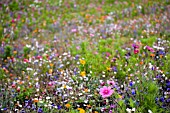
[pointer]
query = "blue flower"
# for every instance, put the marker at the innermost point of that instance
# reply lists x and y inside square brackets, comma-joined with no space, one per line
[58,106]
[168,83]
[131,83]
[168,100]
[40,110]
[161,52]
[133,92]
[5,109]
[162,99]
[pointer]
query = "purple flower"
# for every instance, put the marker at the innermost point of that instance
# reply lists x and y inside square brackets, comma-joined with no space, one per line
[114,69]
[135,46]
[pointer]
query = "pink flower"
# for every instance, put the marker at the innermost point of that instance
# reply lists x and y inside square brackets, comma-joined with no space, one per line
[39,57]
[110,82]
[106,92]
[74,30]
[150,49]
[92,35]
[85,31]
[78,47]
[26,60]
[13,21]
[136,51]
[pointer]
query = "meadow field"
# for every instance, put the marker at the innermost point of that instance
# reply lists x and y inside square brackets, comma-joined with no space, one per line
[85,56]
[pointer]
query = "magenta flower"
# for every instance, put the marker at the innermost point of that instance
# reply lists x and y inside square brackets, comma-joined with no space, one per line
[150,49]
[136,51]
[26,60]
[106,92]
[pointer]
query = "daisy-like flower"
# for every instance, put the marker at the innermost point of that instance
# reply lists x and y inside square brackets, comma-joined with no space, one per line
[106,92]
[82,62]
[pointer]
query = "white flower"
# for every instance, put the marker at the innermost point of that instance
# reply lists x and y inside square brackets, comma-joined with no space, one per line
[29,46]
[64,53]
[149,111]
[133,109]
[47,98]
[128,110]
[29,69]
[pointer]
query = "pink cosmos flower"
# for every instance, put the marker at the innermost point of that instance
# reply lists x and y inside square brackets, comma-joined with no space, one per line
[106,92]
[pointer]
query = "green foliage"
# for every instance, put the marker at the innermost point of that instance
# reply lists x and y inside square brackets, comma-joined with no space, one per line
[8,51]
[26,51]
[84,47]
[149,41]
[147,95]
[2,74]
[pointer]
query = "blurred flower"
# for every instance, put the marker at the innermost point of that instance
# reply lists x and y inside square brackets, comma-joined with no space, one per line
[150,49]
[133,91]
[59,107]
[149,111]
[83,73]
[136,51]
[82,62]
[68,105]
[110,82]
[81,110]
[108,68]
[106,92]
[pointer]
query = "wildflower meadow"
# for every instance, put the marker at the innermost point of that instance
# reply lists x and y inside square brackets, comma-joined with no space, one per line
[84,56]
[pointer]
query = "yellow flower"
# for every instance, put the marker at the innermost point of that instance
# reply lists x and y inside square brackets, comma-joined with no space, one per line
[96,112]
[82,62]
[64,86]
[120,96]
[78,108]
[81,110]
[15,52]
[50,71]
[83,73]
[108,68]
[67,105]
